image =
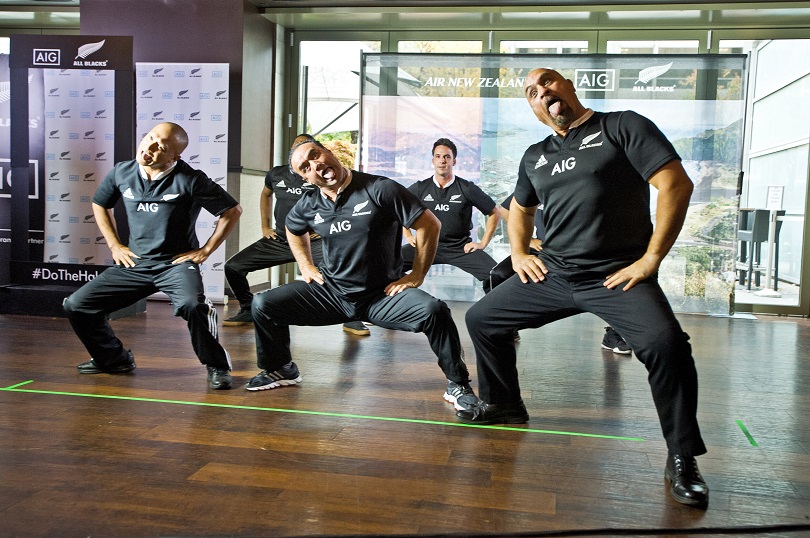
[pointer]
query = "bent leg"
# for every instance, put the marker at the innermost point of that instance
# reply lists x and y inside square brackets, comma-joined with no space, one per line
[87,309]
[262,254]
[644,318]
[296,303]
[414,310]
[501,272]
[183,284]
[492,321]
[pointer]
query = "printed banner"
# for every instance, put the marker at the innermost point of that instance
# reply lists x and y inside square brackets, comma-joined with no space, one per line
[36,160]
[79,140]
[408,101]
[194,96]
[72,105]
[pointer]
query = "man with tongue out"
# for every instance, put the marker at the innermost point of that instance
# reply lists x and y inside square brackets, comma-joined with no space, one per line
[601,254]
[162,197]
[360,219]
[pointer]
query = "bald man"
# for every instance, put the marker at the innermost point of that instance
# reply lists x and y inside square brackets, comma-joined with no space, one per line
[600,254]
[162,196]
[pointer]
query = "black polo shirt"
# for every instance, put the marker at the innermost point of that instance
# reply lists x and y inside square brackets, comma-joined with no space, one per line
[361,231]
[162,214]
[453,206]
[288,189]
[593,186]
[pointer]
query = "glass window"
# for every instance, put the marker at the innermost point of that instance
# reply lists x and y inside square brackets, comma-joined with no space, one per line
[544,47]
[736,46]
[329,76]
[779,63]
[448,47]
[689,46]
[779,118]
[5,45]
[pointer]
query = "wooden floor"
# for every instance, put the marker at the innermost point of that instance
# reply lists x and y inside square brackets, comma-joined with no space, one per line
[367,446]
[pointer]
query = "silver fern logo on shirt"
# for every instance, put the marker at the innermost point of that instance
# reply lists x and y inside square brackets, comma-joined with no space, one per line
[586,142]
[456,199]
[358,209]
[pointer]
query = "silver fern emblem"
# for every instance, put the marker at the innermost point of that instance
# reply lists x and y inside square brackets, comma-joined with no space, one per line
[90,48]
[646,75]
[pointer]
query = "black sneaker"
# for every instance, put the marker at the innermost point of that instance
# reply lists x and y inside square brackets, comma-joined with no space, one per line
[123,366]
[284,376]
[219,378]
[686,484]
[614,342]
[461,395]
[356,327]
[243,317]
[485,413]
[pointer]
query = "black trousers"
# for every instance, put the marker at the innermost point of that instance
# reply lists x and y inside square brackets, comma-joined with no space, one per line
[118,287]
[301,303]
[262,254]
[478,263]
[503,270]
[642,315]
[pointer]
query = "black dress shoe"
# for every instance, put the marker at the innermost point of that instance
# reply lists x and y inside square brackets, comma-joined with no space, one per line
[219,378]
[686,484]
[485,413]
[118,367]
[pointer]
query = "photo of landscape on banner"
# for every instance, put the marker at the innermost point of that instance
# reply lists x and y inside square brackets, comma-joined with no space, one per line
[698,101]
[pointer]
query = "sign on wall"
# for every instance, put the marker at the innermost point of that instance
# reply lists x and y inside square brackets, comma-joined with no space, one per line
[70,120]
[195,96]
[409,100]
[79,143]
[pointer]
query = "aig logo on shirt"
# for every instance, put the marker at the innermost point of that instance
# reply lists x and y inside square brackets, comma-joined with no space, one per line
[340,226]
[150,207]
[564,166]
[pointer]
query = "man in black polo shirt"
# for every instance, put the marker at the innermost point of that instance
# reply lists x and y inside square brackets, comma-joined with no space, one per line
[272,249]
[360,218]
[162,196]
[600,255]
[452,199]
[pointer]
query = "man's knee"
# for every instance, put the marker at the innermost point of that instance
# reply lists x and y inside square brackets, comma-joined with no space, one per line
[185,306]
[476,316]
[668,343]
[69,306]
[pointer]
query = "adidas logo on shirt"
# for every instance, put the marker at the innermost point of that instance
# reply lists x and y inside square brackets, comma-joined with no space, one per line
[318,218]
[428,198]
[540,162]
[281,184]
[128,194]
